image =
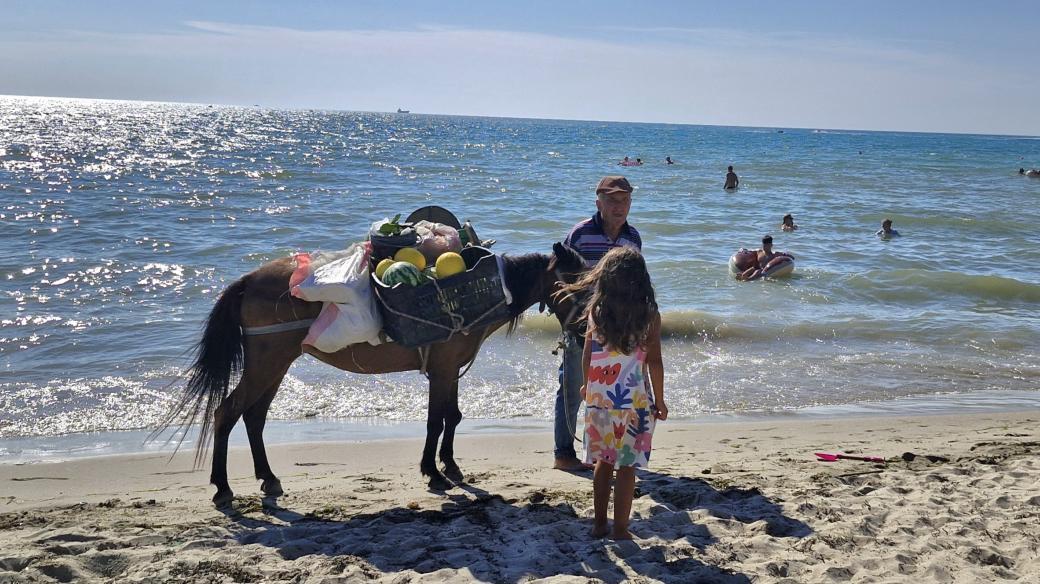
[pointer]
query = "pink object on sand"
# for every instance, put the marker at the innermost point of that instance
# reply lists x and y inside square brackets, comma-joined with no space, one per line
[825,457]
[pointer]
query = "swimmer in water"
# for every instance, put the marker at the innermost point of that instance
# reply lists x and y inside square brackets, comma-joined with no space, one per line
[732,180]
[886,230]
[765,259]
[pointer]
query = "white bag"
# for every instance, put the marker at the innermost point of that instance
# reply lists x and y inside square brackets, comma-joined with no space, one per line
[340,277]
[340,325]
[340,280]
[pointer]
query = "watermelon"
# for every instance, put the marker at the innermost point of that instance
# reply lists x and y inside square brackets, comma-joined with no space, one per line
[402,273]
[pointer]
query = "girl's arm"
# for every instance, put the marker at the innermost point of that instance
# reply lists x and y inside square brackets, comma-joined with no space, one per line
[656,366]
[586,358]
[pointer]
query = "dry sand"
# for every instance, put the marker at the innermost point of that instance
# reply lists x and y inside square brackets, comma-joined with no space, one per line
[730,502]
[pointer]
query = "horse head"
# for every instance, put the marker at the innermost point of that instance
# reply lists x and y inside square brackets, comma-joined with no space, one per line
[565,267]
[535,278]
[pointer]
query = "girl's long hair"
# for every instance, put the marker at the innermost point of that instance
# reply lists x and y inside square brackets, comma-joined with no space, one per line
[623,304]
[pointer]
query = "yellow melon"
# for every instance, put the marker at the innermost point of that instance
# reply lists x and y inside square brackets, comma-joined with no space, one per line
[412,256]
[382,266]
[450,263]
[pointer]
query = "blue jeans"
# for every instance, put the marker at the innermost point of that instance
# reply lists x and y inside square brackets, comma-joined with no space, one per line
[568,396]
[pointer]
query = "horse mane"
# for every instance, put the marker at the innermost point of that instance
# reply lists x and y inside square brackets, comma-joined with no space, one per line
[522,275]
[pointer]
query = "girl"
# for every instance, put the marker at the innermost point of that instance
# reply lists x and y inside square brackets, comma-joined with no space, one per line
[622,345]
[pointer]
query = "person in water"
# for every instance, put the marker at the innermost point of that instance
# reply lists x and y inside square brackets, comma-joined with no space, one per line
[732,180]
[1033,172]
[787,223]
[765,259]
[625,161]
[668,159]
[639,162]
[592,239]
[886,230]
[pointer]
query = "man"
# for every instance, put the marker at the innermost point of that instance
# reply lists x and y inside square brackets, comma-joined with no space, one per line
[592,238]
[765,259]
[886,230]
[732,181]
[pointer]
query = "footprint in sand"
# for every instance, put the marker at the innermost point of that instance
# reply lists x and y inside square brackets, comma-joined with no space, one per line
[60,571]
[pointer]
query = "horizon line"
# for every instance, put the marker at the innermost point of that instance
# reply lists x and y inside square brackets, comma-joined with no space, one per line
[507,117]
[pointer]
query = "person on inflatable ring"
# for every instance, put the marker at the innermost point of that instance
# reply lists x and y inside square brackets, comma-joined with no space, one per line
[765,259]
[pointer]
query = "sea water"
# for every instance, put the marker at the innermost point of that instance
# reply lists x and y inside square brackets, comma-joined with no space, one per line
[121,222]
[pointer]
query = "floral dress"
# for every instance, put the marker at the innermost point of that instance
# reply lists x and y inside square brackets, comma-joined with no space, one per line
[619,419]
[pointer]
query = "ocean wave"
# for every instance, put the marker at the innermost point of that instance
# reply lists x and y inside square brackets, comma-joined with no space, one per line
[680,325]
[912,285]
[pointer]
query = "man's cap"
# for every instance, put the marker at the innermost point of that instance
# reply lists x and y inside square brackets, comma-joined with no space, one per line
[613,184]
[767,239]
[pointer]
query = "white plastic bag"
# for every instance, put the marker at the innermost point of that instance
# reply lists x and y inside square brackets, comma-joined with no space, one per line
[340,277]
[340,280]
[340,325]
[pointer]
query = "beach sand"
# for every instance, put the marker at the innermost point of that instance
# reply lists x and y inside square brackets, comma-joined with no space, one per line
[724,502]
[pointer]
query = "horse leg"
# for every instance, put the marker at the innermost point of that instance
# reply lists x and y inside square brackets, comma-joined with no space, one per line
[452,417]
[255,417]
[267,359]
[440,389]
[224,419]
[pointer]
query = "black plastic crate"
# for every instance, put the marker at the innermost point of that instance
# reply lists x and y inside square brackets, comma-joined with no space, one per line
[419,315]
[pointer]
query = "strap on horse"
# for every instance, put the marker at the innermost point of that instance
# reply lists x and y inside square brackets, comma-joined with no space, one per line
[281,327]
[424,357]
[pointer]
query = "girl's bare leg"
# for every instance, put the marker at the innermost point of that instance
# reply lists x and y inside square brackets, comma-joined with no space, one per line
[624,491]
[601,496]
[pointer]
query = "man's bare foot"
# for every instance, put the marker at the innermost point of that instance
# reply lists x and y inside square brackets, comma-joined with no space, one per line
[599,531]
[570,463]
[620,534]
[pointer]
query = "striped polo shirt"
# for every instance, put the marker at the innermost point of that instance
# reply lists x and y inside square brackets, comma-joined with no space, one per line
[589,239]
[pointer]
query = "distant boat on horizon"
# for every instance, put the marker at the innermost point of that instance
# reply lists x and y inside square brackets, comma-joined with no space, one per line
[401,111]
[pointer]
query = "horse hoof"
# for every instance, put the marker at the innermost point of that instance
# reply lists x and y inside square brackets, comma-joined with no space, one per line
[454,473]
[272,488]
[439,483]
[223,499]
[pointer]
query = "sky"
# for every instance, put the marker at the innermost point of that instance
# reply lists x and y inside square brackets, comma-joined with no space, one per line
[908,66]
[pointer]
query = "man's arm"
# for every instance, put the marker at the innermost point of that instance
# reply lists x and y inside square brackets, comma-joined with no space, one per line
[750,274]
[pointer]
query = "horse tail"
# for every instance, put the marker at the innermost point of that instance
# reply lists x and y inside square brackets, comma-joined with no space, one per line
[219,358]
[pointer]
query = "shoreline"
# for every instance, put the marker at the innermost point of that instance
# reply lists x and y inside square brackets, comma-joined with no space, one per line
[46,449]
[721,502]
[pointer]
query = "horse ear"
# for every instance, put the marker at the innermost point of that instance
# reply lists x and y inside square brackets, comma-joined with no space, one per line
[568,256]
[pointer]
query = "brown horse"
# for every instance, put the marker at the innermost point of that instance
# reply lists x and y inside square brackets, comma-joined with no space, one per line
[261,299]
